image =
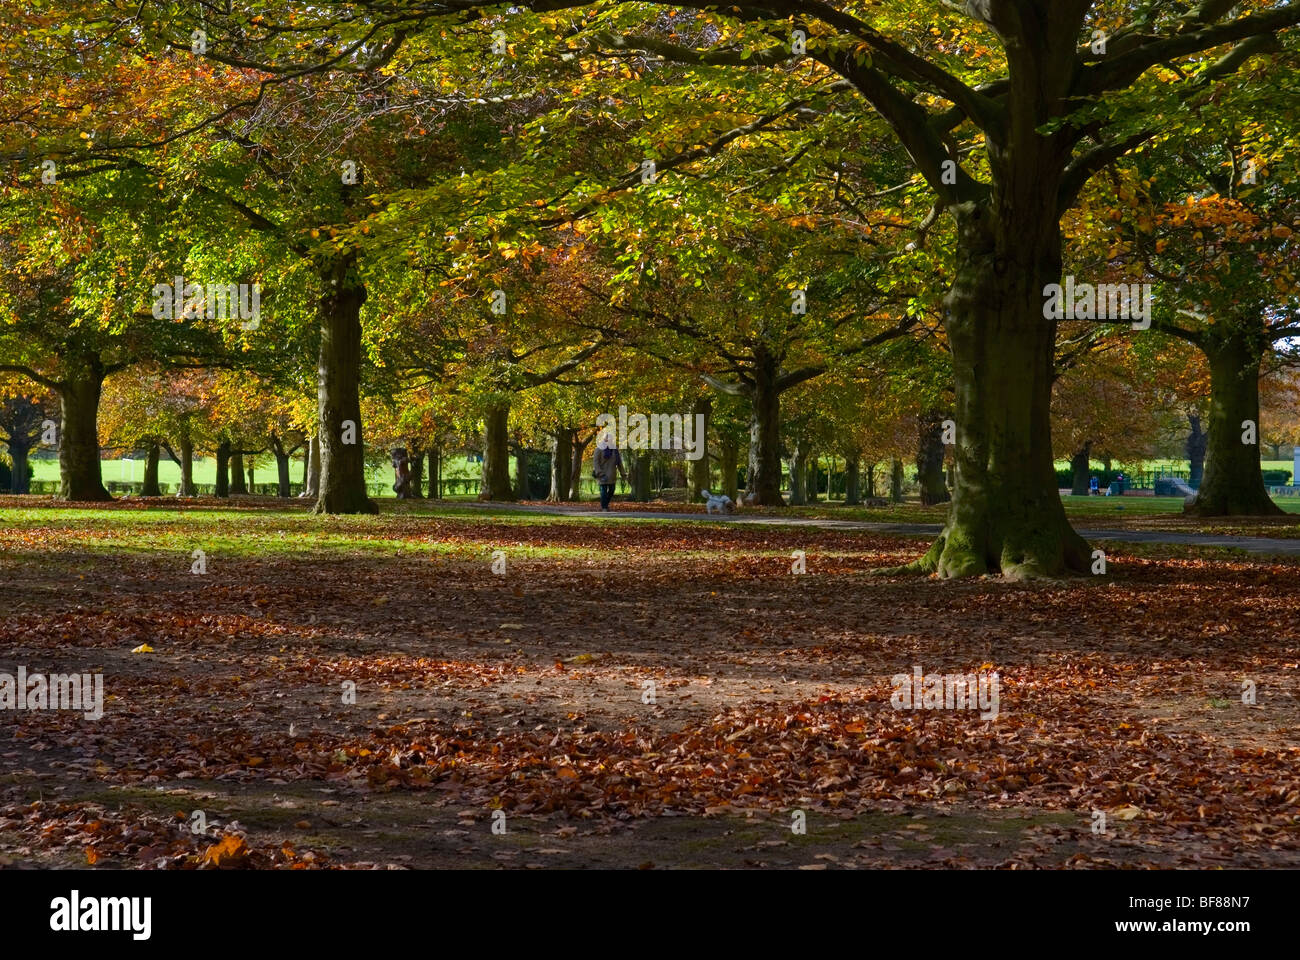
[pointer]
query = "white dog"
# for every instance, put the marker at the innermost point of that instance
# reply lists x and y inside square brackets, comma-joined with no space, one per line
[718,503]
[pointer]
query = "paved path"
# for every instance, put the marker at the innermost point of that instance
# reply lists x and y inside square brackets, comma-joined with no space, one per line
[1279,546]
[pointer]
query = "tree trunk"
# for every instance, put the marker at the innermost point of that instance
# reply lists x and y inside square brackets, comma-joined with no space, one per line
[435,473]
[764,475]
[18,449]
[416,461]
[576,467]
[799,474]
[521,472]
[252,481]
[561,464]
[729,463]
[1006,513]
[1197,442]
[929,461]
[1079,464]
[311,469]
[343,452]
[699,469]
[186,487]
[852,481]
[896,480]
[813,480]
[282,471]
[496,455]
[871,479]
[1233,485]
[641,475]
[79,476]
[222,486]
[149,488]
[238,485]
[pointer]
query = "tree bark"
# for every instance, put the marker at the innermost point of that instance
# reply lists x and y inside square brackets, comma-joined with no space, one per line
[1006,514]
[764,475]
[1079,464]
[79,473]
[1232,485]
[222,486]
[871,479]
[342,464]
[699,469]
[496,455]
[852,481]
[1197,442]
[238,485]
[929,460]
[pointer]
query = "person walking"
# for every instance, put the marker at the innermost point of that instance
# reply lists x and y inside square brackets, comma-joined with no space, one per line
[606,461]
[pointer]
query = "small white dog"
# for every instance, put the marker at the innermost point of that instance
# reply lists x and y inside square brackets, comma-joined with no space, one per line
[718,503]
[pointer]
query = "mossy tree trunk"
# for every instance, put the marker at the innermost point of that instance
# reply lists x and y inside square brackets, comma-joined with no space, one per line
[1006,514]
[1233,485]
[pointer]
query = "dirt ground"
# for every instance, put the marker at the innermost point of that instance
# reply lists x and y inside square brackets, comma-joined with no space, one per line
[637,695]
